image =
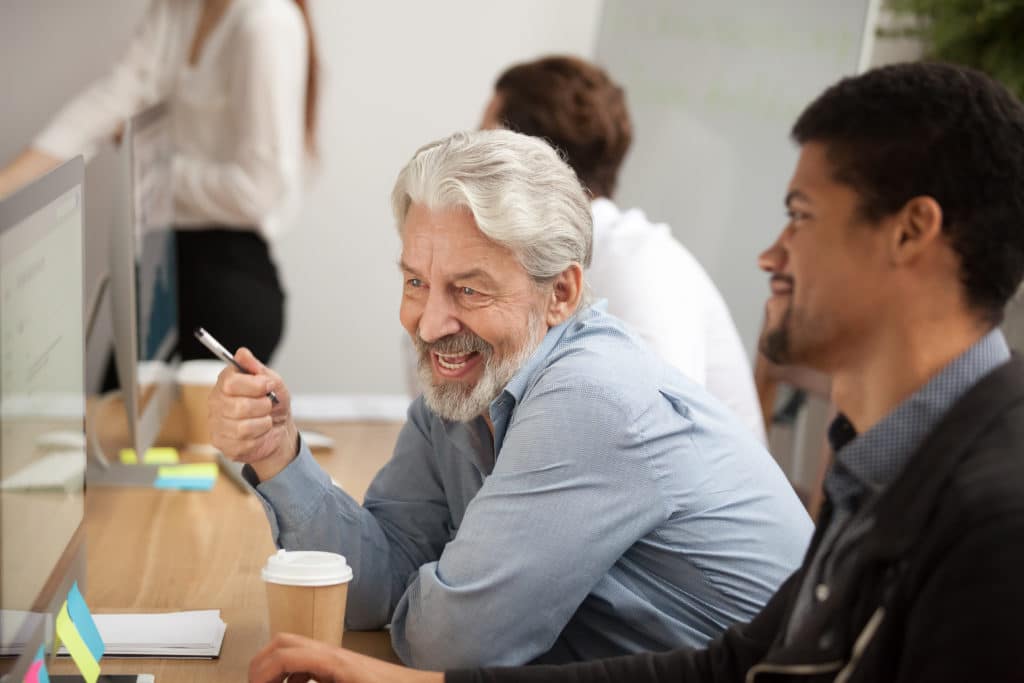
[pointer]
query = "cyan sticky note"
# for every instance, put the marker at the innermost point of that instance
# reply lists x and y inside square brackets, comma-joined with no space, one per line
[80,616]
[199,470]
[152,456]
[184,483]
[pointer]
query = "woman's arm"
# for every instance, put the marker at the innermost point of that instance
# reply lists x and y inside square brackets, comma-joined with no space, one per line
[138,79]
[99,112]
[25,167]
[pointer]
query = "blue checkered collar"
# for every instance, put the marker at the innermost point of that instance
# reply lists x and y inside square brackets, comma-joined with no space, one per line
[870,461]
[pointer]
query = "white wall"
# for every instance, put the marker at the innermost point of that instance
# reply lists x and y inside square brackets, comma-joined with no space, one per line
[395,75]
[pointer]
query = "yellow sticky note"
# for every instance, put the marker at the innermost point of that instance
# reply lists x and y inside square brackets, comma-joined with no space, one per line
[199,470]
[79,651]
[153,456]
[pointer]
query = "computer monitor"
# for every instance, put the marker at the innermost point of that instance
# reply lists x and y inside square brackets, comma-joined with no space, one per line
[143,275]
[42,411]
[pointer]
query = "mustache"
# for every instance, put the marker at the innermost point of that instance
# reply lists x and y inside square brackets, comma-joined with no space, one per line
[453,344]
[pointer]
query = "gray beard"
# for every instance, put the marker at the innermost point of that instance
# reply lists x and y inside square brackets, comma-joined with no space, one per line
[460,403]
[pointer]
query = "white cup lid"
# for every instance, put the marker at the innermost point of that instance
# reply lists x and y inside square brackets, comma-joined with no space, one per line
[203,372]
[306,568]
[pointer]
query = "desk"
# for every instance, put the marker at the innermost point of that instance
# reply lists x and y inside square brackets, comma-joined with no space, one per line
[154,551]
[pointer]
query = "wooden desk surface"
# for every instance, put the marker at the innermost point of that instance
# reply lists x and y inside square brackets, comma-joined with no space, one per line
[153,551]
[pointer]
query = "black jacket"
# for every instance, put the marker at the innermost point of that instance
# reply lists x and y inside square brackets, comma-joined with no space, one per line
[935,592]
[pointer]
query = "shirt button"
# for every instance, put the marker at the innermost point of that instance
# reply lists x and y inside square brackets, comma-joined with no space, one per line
[826,641]
[821,592]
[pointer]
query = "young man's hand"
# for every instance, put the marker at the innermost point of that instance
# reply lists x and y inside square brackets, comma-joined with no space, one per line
[299,660]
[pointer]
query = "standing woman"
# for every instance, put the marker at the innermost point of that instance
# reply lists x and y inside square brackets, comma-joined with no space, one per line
[240,78]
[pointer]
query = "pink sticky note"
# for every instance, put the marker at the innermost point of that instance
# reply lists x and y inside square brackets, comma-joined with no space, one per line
[32,676]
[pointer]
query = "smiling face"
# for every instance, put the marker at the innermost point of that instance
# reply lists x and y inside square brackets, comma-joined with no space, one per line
[829,271]
[472,310]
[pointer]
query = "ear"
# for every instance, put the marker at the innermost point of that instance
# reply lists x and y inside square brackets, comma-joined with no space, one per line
[566,291]
[918,228]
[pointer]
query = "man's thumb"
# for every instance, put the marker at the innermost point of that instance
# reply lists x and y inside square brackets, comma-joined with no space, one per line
[249,362]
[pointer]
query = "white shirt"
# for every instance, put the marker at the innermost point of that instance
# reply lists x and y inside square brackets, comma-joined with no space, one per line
[654,284]
[237,114]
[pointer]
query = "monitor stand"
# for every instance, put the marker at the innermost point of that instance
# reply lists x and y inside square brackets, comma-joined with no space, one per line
[116,474]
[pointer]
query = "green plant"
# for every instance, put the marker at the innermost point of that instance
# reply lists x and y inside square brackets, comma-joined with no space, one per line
[985,34]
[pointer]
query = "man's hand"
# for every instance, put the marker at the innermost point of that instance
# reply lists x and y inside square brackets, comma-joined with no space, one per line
[298,660]
[245,425]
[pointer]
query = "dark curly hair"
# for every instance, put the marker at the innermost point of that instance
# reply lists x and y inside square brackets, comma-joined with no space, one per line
[577,108]
[937,130]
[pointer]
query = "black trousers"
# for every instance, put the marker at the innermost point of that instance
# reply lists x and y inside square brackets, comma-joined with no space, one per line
[227,284]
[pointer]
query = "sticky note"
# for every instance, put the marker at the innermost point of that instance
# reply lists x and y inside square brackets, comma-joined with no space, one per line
[199,470]
[82,619]
[152,456]
[79,651]
[184,484]
[37,672]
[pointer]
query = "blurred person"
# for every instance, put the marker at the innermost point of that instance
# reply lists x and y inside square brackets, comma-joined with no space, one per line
[651,281]
[558,493]
[904,243]
[240,78]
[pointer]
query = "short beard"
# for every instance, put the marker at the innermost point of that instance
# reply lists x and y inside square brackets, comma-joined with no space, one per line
[457,402]
[775,344]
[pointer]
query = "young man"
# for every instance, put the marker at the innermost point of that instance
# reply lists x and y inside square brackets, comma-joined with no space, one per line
[558,492]
[905,241]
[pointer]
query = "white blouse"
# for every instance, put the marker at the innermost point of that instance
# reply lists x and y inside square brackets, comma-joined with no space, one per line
[237,114]
[656,286]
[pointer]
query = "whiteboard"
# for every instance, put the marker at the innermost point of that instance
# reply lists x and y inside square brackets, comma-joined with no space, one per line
[714,87]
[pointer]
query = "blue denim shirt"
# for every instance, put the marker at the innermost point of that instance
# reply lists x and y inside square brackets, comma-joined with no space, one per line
[619,508]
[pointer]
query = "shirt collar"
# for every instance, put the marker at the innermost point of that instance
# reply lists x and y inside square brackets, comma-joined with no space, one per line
[501,408]
[869,462]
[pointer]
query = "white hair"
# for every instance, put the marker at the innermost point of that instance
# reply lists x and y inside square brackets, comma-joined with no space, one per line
[521,193]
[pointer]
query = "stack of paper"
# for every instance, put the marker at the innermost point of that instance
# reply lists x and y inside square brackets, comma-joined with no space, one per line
[198,633]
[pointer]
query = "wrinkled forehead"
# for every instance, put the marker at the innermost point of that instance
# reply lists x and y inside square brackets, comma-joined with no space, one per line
[448,242]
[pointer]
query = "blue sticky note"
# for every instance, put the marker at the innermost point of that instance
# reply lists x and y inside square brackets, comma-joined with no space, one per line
[184,483]
[82,619]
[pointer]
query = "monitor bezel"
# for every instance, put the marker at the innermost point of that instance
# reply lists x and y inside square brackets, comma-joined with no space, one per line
[143,424]
[70,567]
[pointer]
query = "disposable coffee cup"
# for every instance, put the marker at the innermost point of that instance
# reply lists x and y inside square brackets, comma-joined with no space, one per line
[196,379]
[306,594]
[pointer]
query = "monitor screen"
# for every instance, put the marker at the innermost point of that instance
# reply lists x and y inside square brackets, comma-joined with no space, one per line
[155,257]
[42,399]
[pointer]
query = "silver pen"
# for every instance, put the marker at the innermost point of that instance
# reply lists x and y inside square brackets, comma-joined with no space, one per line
[207,340]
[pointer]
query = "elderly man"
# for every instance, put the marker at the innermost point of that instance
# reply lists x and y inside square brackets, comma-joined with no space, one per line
[904,242]
[558,493]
